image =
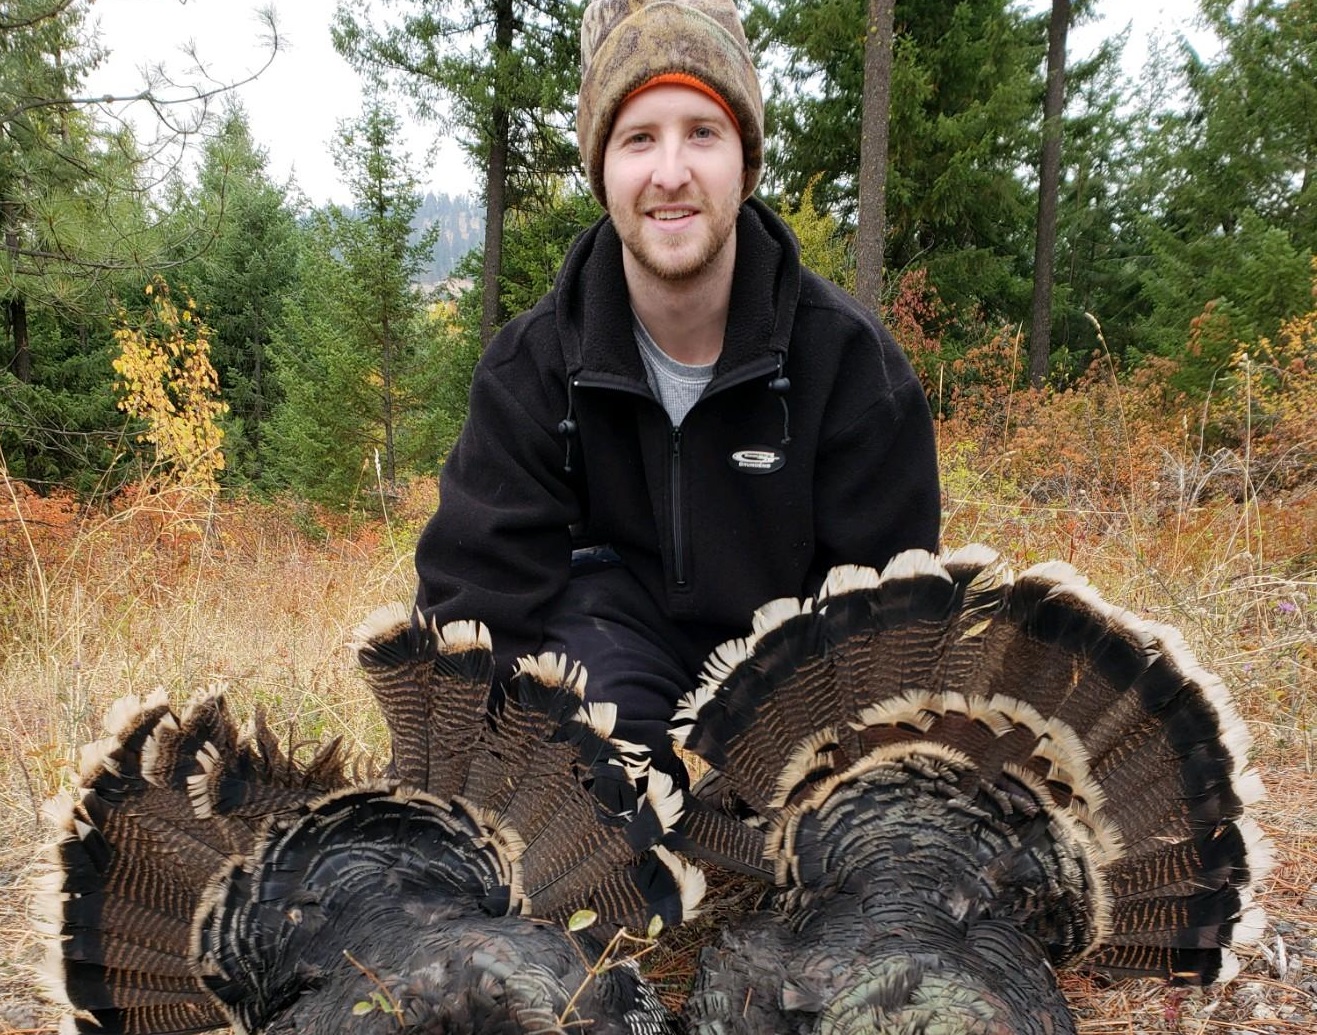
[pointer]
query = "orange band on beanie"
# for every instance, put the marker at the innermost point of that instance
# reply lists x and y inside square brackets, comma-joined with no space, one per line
[685,79]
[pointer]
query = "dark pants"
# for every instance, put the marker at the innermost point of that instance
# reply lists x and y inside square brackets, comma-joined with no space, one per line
[634,655]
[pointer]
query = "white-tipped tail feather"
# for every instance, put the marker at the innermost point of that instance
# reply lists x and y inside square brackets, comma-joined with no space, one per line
[1053,777]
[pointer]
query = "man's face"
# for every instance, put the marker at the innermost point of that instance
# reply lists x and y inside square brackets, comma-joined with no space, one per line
[673,173]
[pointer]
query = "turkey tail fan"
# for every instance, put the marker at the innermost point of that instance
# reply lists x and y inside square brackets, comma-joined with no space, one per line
[716,827]
[161,807]
[450,910]
[591,812]
[537,758]
[433,687]
[383,908]
[1031,689]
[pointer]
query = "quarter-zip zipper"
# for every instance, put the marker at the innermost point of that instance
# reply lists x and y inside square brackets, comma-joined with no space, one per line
[752,370]
[678,539]
[749,372]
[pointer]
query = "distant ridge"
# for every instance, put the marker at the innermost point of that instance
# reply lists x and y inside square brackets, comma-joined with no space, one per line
[461,222]
[462,227]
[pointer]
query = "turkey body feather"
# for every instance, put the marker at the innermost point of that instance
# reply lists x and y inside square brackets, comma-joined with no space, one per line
[965,779]
[207,878]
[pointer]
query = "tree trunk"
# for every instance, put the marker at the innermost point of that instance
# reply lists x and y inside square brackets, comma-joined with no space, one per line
[1049,180]
[20,363]
[495,211]
[258,395]
[873,152]
[389,406]
[496,187]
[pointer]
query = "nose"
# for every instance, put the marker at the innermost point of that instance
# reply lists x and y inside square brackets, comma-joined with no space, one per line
[671,168]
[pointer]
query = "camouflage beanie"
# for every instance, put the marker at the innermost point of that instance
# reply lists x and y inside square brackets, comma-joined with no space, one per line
[626,44]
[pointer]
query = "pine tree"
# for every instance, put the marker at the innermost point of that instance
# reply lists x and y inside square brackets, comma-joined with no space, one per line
[48,160]
[354,339]
[79,233]
[1049,188]
[1231,178]
[504,74]
[964,83]
[240,280]
[875,123]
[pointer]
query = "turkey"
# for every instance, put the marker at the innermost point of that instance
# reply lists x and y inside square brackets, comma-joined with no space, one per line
[964,780]
[209,877]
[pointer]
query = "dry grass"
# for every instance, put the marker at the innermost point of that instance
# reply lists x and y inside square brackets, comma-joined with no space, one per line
[167,590]
[171,591]
[1276,992]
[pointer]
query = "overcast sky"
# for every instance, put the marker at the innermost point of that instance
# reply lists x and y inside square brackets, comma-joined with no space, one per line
[296,104]
[293,108]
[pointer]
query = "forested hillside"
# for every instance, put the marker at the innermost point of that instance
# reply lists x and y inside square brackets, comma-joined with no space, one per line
[1179,232]
[460,226]
[454,226]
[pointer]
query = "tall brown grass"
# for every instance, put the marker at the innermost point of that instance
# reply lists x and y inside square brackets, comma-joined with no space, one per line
[167,589]
[1164,511]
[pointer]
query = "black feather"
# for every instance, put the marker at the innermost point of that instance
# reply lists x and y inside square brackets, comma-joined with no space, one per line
[207,878]
[965,779]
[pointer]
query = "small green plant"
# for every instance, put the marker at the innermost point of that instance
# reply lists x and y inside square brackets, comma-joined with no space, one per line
[381,1000]
[824,247]
[377,1001]
[612,955]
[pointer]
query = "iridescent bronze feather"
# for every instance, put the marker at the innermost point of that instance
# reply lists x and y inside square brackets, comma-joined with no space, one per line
[965,779]
[207,877]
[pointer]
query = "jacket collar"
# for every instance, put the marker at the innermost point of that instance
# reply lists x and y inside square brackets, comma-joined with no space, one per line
[594,315]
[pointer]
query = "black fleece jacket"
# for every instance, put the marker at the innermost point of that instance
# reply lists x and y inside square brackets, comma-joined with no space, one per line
[812,446]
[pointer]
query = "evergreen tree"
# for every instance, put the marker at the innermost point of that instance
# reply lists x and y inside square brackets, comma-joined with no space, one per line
[505,74]
[1099,244]
[74,229]
[537,243]
[50,159]
[1049,189]
[443,381]
[1231,209]
[79,231]
[354,342]
[964,103]
[62,427]
[241,280]
[875,125]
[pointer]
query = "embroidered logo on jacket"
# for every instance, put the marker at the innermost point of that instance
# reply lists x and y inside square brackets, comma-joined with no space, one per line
[758,460]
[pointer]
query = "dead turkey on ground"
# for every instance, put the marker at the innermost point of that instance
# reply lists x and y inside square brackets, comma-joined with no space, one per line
[965,779]
[206,877]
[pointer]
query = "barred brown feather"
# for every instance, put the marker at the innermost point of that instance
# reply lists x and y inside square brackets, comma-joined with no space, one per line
[432,733]
[986,772]
[133,862]
[209,877]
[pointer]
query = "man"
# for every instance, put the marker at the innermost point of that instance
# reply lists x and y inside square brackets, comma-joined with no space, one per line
[689,424]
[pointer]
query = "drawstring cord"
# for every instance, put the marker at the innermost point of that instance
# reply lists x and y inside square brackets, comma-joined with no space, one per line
[567,426]
[779,386]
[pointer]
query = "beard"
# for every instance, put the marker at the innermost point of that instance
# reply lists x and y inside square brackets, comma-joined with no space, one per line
[684,256]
